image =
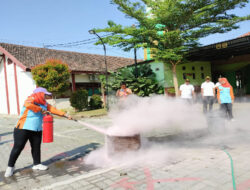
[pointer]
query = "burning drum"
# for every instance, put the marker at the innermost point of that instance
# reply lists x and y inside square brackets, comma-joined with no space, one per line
[118,144]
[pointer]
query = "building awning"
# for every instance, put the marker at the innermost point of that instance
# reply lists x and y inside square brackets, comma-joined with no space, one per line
[222,50]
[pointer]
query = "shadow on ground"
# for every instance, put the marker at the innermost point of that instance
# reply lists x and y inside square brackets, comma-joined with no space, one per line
[2,137]
[68,163]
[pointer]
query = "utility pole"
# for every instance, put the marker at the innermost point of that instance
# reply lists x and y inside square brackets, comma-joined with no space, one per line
[106,66]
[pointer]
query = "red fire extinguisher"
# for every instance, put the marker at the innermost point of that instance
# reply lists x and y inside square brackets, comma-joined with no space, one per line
[47,128]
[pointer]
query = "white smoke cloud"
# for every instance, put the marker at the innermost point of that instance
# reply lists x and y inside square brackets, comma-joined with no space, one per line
[168,128]
[140,115]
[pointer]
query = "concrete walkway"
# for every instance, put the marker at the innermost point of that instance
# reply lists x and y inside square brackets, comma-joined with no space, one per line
[191,163]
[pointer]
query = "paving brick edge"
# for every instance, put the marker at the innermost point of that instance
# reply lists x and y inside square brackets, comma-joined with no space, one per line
[72,180]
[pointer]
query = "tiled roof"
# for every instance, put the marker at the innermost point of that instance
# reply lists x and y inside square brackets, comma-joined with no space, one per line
[32,56]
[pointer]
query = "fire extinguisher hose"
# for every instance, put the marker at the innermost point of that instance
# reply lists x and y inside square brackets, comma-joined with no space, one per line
[90,126]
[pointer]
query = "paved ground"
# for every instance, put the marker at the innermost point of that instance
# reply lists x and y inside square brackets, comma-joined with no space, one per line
[195,162]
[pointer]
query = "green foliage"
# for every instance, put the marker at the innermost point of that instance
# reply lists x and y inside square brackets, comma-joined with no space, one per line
[171,90]
[95,102]
[144,85]
[53,75]
[171,28]
[79,99]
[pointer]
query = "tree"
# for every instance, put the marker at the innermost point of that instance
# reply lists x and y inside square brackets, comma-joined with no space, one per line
[141,81]
[171,28]
[53,75]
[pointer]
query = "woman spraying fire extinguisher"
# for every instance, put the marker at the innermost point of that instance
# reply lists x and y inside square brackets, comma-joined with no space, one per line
[29,127]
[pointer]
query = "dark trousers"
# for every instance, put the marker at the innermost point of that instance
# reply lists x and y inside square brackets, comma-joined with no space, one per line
[208,100]
[21,136]
[227,110]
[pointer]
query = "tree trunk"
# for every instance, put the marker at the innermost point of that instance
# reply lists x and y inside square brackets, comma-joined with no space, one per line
[175,80]
[103,95]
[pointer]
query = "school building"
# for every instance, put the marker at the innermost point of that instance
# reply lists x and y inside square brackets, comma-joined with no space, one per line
[16,62]
[230,59]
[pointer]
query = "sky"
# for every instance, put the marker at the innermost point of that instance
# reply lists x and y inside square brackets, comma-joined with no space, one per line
[44,22]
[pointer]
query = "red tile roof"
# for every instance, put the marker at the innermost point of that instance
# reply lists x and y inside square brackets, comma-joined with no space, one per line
[246,34]
[83,62]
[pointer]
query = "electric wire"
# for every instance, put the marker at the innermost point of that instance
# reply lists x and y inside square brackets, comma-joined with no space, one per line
[71,45]
[67,44]
[76,43]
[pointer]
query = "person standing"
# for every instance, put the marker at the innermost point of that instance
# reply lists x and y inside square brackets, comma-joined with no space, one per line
[208,94]
[218,83]
[29,127]
[123,92]
[225,96]
[216,87]
[187,91]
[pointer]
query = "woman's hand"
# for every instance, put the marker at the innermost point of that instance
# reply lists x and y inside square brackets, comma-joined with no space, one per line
[67,116]
[44,111]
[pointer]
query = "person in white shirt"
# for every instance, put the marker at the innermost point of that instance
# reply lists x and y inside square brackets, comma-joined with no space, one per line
[218,83]
[217,86]
[187,91]
[208,94]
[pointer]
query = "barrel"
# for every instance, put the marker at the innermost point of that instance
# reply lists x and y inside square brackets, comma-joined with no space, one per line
[119,144]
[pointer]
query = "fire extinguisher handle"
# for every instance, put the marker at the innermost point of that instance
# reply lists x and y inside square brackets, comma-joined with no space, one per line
[45,112]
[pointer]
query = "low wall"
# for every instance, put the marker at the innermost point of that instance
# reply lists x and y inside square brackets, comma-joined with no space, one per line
[62,103]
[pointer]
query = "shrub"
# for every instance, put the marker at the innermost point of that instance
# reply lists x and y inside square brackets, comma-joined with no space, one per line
[79,99]
[95,102]
[171,90]
[53,75]
[144,84]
